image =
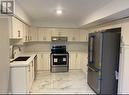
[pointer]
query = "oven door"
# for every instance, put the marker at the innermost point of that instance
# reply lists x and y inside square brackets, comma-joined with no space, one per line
[59,60]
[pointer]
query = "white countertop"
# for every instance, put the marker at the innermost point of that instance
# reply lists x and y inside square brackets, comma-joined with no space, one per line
[23,63]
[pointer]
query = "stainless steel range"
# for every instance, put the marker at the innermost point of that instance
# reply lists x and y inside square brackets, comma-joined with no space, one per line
[59,59]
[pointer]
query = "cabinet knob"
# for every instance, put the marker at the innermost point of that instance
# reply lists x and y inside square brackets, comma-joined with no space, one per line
[30,38]
[26,38]
[44,38]
[73,38]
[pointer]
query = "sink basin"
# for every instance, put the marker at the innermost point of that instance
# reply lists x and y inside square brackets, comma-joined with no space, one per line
[24,58]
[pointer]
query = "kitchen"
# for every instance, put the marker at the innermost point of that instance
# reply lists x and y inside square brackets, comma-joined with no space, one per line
[36,38]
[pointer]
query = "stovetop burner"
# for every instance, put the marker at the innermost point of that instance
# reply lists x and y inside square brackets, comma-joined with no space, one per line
[58,50]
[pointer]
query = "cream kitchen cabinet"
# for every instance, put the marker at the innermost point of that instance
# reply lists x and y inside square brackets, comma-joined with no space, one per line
[84,61]
[44,34]
[22,78]
[43,61]
[40,61]
[25,33]
[46,61]
[123,83]
[33,34]
[73,61]
[60,32]
[78,60]
[73,35]
[16,28]
[83,36]
[125,33]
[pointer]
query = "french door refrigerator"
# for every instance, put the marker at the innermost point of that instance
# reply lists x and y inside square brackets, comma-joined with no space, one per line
[103,61]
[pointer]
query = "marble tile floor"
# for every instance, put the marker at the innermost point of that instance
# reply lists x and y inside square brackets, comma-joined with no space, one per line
[72,82]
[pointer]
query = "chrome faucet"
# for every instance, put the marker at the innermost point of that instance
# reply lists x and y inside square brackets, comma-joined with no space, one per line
[13,53]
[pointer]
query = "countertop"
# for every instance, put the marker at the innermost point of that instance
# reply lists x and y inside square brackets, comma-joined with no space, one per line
[23,63]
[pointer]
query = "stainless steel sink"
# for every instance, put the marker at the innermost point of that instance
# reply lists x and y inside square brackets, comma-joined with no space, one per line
[23,58]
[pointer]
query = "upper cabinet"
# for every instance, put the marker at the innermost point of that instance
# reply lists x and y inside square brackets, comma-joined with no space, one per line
[44,34]
[16,28]
[73,35]
[83,35]
[33,34]
[125,33]
[25,33]
[59,32]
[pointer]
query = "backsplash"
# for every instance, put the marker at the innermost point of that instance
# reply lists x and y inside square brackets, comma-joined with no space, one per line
[46,47]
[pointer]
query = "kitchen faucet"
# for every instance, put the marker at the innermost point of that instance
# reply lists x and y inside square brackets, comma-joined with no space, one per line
[13,53]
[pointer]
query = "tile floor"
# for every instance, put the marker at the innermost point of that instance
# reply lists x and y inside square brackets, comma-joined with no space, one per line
[72,82]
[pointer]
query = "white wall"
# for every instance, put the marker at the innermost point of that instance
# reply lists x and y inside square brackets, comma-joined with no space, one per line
[4,55]
[111,8]
[20,13]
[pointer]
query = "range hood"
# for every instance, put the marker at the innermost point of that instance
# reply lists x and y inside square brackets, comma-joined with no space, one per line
[59,39]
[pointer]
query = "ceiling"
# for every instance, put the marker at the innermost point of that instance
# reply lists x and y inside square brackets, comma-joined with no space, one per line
[43,12]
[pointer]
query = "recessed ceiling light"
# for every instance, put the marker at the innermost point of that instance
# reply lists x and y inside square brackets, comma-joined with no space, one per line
[58,11]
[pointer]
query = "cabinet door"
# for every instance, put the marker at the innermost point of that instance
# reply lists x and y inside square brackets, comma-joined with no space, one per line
[79,60]
[83,36]
[84,61]
[125,33]
[46,61]
[25,32]
[63,32]
[17,28]
[60,32]
[55,32]
[33,71]
[73,35]
[31,78]
[44,34]
[33,34]
[72,60]
[20,29]
[40,61]
[28,78]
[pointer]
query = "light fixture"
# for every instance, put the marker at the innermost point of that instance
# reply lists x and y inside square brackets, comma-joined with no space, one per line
[58,11]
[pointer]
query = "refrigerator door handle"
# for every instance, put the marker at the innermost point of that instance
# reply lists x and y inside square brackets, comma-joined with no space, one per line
[92,69]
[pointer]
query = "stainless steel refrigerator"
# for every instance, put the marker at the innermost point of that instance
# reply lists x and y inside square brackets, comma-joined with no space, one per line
[103,61]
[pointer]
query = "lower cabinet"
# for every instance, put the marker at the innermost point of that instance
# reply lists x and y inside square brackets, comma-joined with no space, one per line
[22,78]
[78,60]
[43,61]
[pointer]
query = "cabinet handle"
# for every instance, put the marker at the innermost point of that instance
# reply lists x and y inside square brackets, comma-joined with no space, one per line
[30,38]
[26,38]
[73,38]
[41,55]
[18,33]
[59,33]
[44,38]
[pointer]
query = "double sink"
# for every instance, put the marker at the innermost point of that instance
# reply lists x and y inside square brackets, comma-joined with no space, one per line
[21,58]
